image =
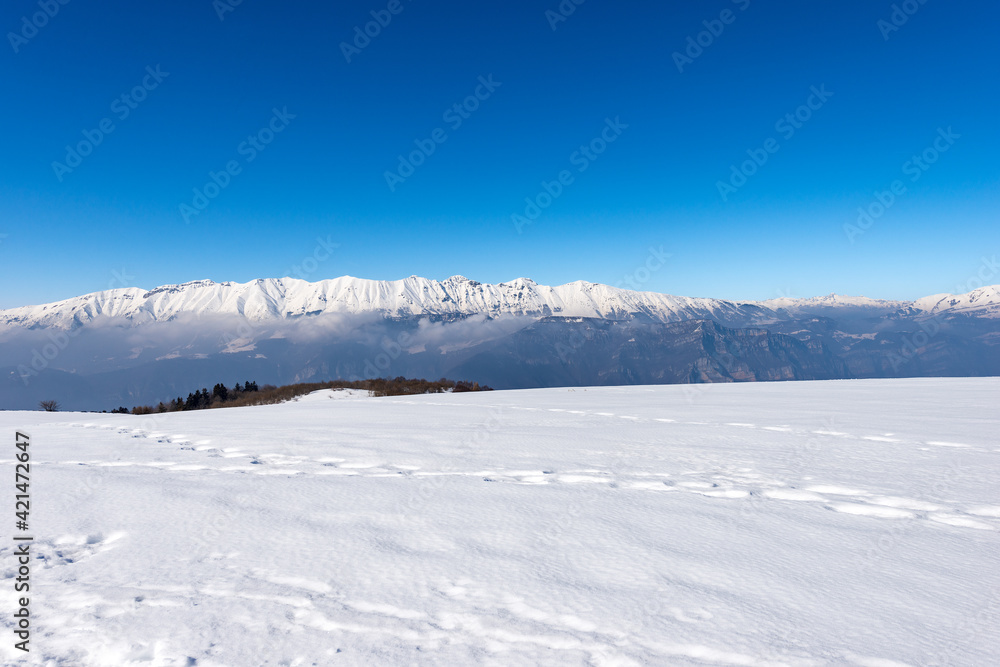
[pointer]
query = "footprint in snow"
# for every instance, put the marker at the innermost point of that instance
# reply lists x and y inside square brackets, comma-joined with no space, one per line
[65,550]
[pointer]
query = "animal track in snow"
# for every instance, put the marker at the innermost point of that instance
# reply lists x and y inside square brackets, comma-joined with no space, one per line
[793,494]
[871,510]
[986,510]
[63,551]
[731,484]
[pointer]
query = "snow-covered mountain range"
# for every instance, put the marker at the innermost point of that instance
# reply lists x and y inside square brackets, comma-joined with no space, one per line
[274,299]
[131,346]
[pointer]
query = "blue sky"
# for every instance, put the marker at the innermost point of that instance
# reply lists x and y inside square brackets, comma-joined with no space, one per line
[681,125]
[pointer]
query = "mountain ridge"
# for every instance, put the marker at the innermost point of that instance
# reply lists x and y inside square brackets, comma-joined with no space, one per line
[133,346]
[268,299]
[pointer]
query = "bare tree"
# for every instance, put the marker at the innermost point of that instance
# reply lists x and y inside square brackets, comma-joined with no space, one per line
[49,406]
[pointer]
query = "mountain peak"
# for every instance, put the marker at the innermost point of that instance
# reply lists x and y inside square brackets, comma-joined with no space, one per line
[180,287]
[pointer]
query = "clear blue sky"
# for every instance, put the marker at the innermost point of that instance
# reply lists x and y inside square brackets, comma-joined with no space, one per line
[116,218]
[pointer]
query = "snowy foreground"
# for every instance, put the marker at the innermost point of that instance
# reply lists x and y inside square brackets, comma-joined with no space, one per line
[822,523]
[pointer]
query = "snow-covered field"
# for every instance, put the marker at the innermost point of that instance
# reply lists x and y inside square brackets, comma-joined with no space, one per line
[822,523]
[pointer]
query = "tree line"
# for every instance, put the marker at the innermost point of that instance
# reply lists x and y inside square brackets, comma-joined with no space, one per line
[199,400]
[249,393]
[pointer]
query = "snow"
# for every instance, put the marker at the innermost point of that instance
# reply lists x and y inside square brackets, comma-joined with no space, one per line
[832,301]
[275,299]
[983,302]
[816,523]
[272,299]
